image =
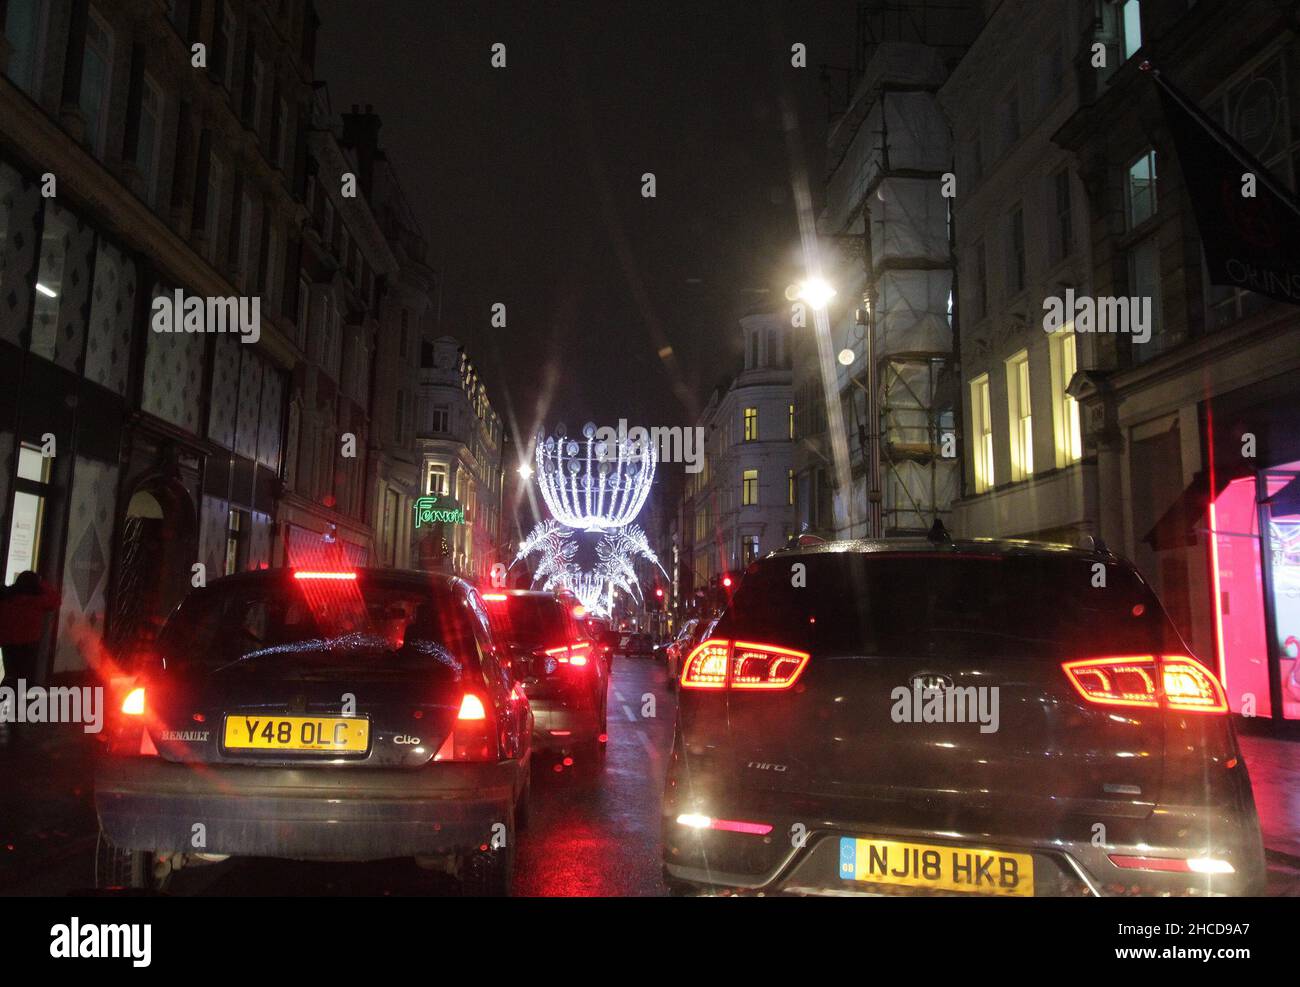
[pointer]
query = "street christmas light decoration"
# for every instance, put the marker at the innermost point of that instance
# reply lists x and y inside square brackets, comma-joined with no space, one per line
[595,483]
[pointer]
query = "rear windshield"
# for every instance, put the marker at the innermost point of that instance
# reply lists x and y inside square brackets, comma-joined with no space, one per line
[530,621]
[914,605]
[371,623]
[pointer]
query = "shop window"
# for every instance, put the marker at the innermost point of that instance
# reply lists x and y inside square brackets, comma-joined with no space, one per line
[25,529]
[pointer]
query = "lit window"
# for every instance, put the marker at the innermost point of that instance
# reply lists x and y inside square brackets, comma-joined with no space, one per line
[791,473]
[791,421]
[1065,361]
[435,483]
[28,518]
[1132,27]
[982,420]
[749,488]
[1022,421]
[1141,189]
[751,424]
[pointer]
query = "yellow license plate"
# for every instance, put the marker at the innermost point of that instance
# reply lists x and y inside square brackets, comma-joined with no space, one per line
[296,733]
[941,868]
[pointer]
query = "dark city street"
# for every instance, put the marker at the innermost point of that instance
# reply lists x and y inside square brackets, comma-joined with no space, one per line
[631,450]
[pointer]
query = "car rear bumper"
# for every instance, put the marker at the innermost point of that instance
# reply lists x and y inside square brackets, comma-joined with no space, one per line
[1071,853]
[303,813]
[557,725]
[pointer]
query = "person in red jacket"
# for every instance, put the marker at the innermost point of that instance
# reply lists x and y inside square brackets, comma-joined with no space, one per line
[23,607]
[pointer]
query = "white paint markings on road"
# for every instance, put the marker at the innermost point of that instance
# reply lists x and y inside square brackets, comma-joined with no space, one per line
[627,710]
[649,747]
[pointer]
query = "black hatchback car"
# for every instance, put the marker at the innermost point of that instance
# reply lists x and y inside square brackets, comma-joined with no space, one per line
[998,718]
[322,715]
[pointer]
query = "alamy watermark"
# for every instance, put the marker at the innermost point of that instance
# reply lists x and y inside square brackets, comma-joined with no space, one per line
[946,704]
[64,704]
[178,313]
[675,444]
[1103,314]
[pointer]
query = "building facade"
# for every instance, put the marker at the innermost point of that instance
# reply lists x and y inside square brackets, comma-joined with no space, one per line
[461,442]
[134,165]
[741,503]
[1021,236]
[884,247]
[1195,430]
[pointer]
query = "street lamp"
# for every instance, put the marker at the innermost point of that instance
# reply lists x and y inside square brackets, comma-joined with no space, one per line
[815,291]
[525,471]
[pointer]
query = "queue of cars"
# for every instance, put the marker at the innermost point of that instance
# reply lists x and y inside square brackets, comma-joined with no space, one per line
[907,716]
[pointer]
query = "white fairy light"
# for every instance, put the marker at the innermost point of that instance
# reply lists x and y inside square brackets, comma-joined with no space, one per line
[591,484]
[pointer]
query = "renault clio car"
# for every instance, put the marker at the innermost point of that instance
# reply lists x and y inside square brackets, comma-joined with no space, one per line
[935,717]
[559,669]
[318,715]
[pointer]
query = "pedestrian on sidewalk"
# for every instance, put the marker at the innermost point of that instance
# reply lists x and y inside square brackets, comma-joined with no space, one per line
[23,607]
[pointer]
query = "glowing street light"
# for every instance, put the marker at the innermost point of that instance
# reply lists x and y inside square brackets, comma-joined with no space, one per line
[816,292]
[846,357]
[525,471]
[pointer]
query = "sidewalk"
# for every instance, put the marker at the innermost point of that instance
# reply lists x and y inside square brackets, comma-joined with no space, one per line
[46,809]
[1274,767]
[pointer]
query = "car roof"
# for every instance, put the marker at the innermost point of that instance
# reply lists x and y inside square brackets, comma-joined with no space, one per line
[958,547]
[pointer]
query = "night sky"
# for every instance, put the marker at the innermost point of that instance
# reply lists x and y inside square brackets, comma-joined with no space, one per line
[528,181]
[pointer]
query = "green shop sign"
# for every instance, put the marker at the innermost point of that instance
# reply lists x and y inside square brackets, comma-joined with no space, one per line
[438,510]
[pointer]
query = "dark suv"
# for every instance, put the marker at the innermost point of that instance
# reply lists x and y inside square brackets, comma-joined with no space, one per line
[318,715]
[559,667]
[913,716]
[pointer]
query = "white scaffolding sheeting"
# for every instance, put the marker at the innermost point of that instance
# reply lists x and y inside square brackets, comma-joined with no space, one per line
[912,313]
[909,221]
[915,492]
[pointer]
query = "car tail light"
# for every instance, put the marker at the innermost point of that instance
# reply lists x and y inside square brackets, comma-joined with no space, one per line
[743,665]
[765,666]
[495,597]
[128,732]
[473,735]
[133,704]
[1173,682]
[343,576]
[1193,865]
[569,654]
[706,666]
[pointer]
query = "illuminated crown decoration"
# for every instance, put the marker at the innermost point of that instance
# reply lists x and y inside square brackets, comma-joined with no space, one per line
[593,484]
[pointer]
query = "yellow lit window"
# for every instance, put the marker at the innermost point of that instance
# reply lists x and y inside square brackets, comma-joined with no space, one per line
[1021,418]
[751,424]
[982,433]
[1068,435]
[749,488]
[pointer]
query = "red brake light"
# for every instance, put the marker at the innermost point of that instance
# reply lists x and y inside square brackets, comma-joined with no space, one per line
[314,574]
[471,708]
[1173,682]
[706,666]
[719,664]
[1191,687]
[765,666]
[473,735]
[495,597]
[133,704]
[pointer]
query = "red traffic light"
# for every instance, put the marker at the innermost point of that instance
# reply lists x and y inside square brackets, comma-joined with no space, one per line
[659,592]
[726,581]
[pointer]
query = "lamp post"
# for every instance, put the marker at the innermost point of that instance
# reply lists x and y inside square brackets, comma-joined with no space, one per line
[818,294]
